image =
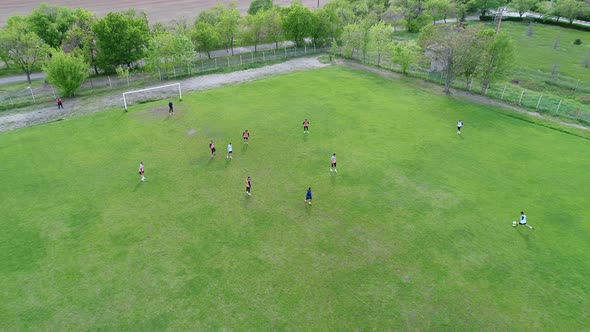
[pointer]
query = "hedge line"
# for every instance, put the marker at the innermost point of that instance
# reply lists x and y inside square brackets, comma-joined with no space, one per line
[539,20]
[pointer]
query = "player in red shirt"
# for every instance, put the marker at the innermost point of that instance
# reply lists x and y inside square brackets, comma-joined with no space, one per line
[306,127]
[248,186]
[212,147]
[246,135]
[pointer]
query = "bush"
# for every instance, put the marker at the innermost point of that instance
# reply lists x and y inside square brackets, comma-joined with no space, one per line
[578,41]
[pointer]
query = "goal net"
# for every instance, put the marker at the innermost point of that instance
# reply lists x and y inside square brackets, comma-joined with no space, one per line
[151,94]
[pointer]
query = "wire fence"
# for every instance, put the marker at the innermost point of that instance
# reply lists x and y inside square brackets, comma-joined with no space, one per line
[509,92]
[44,95]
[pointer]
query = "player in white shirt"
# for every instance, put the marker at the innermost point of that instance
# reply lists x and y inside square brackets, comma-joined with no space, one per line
[141,171]
[522,221]
[459,126]
[333,162]
[230,150]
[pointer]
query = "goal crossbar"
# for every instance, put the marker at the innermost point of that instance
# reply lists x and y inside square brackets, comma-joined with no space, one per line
[149,89]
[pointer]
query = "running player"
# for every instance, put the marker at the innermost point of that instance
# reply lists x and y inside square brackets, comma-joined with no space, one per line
[306,127]
[212,147]
[459,126]
[170,108]
[141,171]
[308,196]
[229,151]
[246,135]
[522,221]
[333,161]
[248,186]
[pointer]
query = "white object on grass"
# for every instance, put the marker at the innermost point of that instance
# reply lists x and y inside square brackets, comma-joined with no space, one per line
[167,91]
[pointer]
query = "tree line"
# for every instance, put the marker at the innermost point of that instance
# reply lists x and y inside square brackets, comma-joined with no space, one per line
[66,42]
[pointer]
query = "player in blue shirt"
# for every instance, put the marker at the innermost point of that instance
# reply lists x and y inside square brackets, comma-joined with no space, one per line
[308,196]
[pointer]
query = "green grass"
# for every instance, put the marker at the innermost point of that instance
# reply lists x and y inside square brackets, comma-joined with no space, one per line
[412,233]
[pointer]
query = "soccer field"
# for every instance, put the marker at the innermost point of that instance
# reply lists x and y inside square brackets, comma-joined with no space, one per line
[413,232]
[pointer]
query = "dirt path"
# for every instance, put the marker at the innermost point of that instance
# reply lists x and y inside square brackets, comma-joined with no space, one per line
[75,106]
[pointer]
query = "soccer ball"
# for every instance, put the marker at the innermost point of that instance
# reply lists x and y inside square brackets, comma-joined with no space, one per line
[514,223]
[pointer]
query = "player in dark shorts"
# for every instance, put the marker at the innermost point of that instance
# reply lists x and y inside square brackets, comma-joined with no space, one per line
[459,126]
[248,186]
[246,135]
[333,163]
[212,147]
[141,171]
[308,196]
[170,108]
[306,127]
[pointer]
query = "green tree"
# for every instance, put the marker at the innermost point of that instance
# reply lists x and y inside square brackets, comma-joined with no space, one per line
[523,6]
[259,5]
[438,9]
[205,38]
[80,38]
[121,39]
[324,26]
[66,71]
[255,29]
[184,49]
[227,26]
[569,9]
[160,54]
[484,5]
[449,48]
[497,56]
[22,47]
[51,23]
[405,54]
[380,38]
[351,39]
[273,24]
[297,23]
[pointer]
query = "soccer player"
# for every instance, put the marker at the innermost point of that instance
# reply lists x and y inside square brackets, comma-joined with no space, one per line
[522,221]
[170,108]
[246,135]
[59,103]
[459,126]
[229,151]
[141,171]
[248,186]
[333,161]
[306,126]
[212,147]
[308,196]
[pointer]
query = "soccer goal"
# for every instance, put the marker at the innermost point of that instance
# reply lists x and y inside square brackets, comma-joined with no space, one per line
[151,94]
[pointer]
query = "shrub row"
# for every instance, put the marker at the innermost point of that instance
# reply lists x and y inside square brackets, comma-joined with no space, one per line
[539,20]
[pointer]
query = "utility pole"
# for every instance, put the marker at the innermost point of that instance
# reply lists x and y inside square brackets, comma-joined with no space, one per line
[499,18]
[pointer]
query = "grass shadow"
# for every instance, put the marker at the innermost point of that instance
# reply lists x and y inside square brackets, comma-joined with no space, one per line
[244,147]
[137,186]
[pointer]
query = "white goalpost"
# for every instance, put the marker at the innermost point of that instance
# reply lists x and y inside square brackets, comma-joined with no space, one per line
[164,92]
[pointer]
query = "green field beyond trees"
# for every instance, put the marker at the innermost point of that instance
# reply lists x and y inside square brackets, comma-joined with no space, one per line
[414,232]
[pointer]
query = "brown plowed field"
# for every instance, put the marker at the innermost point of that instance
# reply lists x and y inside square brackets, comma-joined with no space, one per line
[165,11]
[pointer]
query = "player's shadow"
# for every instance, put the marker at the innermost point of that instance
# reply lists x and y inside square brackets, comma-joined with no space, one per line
[526,237]
[137,186]
[227,161]
[244,147]
[305,137]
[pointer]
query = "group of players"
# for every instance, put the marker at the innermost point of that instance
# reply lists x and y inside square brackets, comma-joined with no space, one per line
[246,137]
[308,193]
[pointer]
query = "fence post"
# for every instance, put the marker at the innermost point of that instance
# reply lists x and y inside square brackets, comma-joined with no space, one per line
[305,49]
[240,59]
[314,48]
[215,59]
[520,99]
[11,102]
[539,102]
[228,62]
[263,57]
[577,84]
[504,90]
[174,71]
[252,55]
[558,106]
[111,84]
[485,91]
